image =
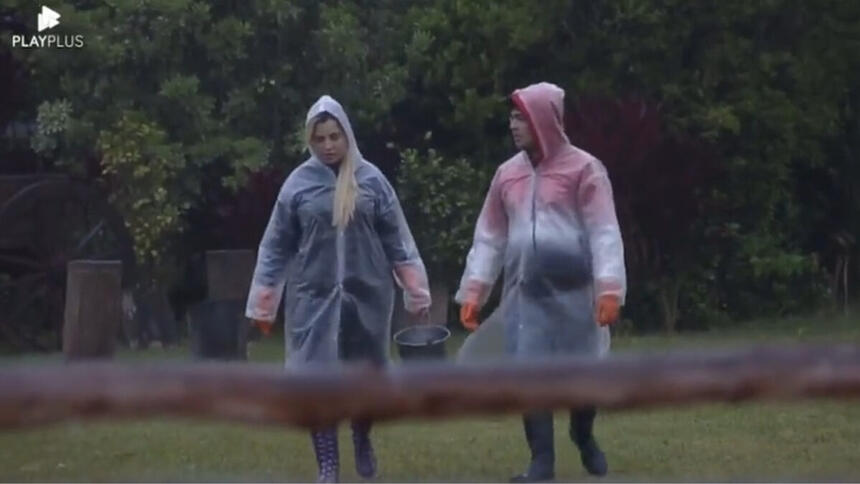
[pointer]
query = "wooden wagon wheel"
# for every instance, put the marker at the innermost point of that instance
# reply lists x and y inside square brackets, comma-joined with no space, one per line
[47,223]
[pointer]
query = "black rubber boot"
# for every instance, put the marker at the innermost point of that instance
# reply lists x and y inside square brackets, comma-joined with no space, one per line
[582,434]
[365,459]
[539,435]
[328,457]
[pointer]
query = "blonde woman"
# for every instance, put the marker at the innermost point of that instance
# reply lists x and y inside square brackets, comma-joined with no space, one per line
[339,228]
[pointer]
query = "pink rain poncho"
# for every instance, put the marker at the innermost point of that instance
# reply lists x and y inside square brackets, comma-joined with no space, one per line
[552,227]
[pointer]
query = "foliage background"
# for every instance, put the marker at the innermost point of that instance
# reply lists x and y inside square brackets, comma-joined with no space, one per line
[730,128]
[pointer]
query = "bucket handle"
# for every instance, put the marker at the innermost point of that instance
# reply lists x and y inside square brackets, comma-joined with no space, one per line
[421,319]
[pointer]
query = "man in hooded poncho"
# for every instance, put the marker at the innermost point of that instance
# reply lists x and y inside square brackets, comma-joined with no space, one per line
[549,221]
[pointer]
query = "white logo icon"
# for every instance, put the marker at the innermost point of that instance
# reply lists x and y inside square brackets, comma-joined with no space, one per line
[48,19]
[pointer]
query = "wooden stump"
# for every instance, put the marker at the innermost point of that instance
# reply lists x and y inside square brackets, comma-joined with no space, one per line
[228,273]
[219,330]
[219,326]
[93,310]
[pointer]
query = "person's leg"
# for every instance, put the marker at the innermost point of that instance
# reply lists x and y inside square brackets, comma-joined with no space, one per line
[582,434]
[358,346]
[528,342]
[365,458]
[539,435]
[326,450]
[523,343]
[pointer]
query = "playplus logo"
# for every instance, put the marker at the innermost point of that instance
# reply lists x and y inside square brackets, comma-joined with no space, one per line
[47,19]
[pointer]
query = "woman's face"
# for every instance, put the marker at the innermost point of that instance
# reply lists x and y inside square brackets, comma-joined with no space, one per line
[329,142]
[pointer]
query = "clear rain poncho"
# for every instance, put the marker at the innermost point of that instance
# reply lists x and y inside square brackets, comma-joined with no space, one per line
[340,289]
[553,229]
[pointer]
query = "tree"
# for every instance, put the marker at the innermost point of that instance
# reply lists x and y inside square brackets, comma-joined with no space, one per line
[163,102]
[658,181]
[441,201]
[766,89]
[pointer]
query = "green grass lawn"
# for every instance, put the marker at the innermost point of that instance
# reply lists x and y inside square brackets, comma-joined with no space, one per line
[814,440]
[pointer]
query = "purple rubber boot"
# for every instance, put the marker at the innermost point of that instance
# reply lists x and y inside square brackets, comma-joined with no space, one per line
[325,448]
[365,459]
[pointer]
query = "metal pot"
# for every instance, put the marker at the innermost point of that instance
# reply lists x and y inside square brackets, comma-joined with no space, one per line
[421,342]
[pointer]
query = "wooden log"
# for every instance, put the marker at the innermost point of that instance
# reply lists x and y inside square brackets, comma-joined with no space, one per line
[93,310]
[34,395]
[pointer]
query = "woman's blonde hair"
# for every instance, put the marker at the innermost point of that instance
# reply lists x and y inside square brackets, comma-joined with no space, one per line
[346,187]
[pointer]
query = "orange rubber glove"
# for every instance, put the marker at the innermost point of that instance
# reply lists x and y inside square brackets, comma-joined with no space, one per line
[608,309]
[265,327]
[469,316]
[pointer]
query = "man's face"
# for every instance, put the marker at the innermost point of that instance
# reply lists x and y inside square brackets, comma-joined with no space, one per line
[523,138]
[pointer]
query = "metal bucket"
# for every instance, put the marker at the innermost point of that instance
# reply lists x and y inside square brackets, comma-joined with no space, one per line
[422,342]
